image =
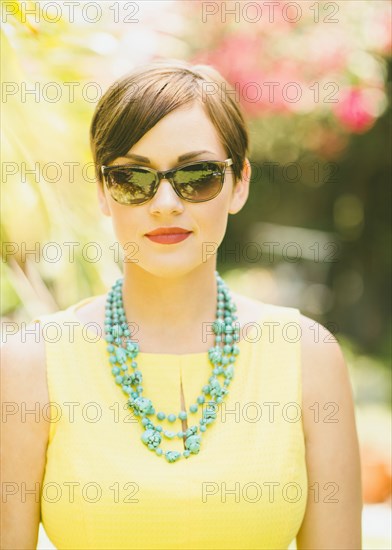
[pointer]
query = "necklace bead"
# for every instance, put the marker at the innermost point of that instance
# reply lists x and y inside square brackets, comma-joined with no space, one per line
[222,357]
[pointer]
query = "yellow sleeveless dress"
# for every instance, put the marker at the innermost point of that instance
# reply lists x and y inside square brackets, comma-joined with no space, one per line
[104,489]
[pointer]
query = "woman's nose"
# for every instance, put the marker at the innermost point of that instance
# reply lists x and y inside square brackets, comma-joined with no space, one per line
[165,196]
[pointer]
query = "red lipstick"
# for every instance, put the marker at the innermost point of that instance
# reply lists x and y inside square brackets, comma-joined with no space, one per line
[168,235]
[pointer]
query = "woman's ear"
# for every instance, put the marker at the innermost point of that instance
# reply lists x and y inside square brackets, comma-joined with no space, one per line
[103,203]
[241,189]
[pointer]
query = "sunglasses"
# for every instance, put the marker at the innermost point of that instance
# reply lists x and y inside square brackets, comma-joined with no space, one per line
[193,182]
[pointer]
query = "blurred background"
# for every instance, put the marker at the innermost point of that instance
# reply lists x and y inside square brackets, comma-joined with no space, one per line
[314,80]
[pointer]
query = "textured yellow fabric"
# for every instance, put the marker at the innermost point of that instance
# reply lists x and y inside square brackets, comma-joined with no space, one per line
[103,489]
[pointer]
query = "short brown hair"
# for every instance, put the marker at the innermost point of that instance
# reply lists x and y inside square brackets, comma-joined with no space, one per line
[137,101]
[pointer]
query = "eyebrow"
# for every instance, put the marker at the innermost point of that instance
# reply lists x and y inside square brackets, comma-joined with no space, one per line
[186,156]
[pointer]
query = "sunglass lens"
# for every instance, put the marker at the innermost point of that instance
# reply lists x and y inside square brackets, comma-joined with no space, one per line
[199,182]
[130,186]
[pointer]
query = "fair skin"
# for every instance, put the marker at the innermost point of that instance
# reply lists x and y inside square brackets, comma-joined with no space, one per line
[175,278]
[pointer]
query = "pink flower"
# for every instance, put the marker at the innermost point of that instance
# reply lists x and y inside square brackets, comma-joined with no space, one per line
[354,111]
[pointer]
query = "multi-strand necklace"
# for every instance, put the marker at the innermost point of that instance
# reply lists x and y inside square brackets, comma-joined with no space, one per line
[222,357]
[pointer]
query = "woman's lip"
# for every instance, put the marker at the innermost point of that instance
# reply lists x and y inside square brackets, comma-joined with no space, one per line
[166,232]
[169,238]
[171,233]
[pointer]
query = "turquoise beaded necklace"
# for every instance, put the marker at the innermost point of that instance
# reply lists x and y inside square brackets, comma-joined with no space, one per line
[222,356]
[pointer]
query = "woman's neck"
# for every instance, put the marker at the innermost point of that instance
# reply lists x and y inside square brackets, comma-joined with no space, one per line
[165,307]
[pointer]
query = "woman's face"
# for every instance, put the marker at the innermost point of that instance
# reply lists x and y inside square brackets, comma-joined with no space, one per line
[184,130]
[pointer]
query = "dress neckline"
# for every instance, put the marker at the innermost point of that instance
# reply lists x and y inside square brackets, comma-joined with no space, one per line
[173,357]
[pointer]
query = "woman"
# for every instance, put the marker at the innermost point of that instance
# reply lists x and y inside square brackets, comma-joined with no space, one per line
[160,437]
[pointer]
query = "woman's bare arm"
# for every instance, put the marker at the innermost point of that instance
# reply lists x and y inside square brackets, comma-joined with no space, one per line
[24,438]
[334,509]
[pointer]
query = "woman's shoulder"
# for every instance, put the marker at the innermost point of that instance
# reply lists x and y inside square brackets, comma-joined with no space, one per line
[87,304]
[24,351]
[327,396]
[324,373]
[327,401]
[257,310]
[86,310]
[26,425]
[315,338]
[23,378]
[331,440]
